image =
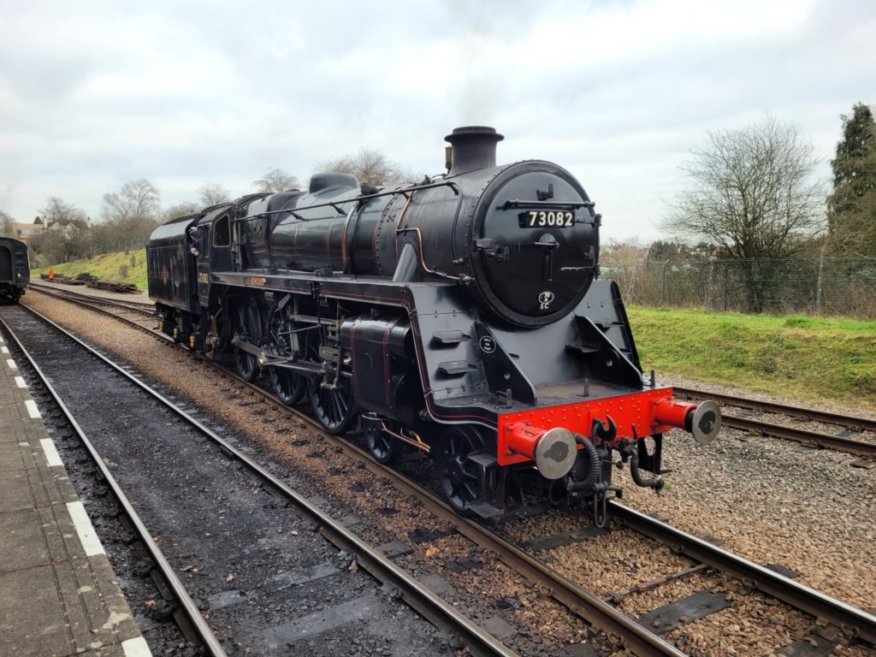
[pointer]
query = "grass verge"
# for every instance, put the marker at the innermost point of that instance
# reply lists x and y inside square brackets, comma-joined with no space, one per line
[121,267]
[806,358]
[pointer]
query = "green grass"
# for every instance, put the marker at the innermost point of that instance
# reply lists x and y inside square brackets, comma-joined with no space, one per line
[120,267]
[805,358]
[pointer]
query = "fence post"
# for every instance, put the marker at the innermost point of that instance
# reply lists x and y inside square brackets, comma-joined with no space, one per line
[819,293]
[709,300]
[632,288]
[663,284]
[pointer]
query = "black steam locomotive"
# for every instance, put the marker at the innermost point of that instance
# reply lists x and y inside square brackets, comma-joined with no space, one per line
[14,269]
[461,316]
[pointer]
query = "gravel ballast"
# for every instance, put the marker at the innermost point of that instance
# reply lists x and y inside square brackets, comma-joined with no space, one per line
[771,501]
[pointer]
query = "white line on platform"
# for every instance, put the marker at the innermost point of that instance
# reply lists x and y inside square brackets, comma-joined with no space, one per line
[90,541]
[11,364]
[4,350]
[32,409]
[52,456]
[20,382]
[136,648]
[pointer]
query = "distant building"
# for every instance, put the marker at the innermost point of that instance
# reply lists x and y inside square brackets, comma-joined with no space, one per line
[67,227]
[26,232]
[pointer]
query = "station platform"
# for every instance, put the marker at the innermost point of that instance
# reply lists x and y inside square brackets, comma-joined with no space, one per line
[59,595]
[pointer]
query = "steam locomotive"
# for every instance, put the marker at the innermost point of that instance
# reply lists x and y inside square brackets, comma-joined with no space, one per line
[461,316]
[14,269]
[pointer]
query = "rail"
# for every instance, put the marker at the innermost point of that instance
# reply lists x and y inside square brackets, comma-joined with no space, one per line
[839,443]
[585,604]
[801,597]
[416,594]
[199,624]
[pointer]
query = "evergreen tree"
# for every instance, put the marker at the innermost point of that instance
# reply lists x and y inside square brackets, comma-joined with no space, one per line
[852,205]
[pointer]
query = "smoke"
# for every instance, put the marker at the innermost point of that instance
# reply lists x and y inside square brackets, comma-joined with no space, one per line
[485,30]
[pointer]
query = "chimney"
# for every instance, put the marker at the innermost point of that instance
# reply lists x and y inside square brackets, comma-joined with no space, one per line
[474,147]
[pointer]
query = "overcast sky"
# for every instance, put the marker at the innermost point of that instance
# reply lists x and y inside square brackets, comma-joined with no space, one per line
[95,93]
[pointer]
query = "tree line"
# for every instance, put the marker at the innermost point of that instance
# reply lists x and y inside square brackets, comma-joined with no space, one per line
[750,196]
[129,215]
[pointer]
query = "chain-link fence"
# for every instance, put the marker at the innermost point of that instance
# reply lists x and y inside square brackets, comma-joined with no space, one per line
[816,286]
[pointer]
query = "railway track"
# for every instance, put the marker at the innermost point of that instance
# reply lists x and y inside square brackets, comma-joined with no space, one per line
[795,433]
[144,309]
[192,621]
[589,606]
[195,624]
[428,604]
[861,623]
[597,611]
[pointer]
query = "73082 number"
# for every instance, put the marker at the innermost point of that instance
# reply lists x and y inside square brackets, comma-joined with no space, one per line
[539,219]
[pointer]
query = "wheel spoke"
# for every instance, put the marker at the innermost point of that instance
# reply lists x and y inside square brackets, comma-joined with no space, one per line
[336,407]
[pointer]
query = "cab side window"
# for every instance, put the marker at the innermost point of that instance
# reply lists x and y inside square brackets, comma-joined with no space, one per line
[221,232]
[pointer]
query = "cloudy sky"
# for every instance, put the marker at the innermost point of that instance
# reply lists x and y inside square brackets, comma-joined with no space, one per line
[94,93]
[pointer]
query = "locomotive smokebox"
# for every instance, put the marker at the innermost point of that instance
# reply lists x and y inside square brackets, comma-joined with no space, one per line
[474,147]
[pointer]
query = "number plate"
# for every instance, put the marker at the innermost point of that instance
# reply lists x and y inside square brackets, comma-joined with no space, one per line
[547,219]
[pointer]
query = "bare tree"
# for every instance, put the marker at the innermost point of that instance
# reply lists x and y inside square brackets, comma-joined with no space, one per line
[369,166]
[620,260]
[137,200]
[179,210]
[276,180]
[68,231]
[130,215]
[213,194]
[751,195]
[56,210]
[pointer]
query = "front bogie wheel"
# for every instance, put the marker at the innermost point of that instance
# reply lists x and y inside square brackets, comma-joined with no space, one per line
[459,477]
[383,447]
